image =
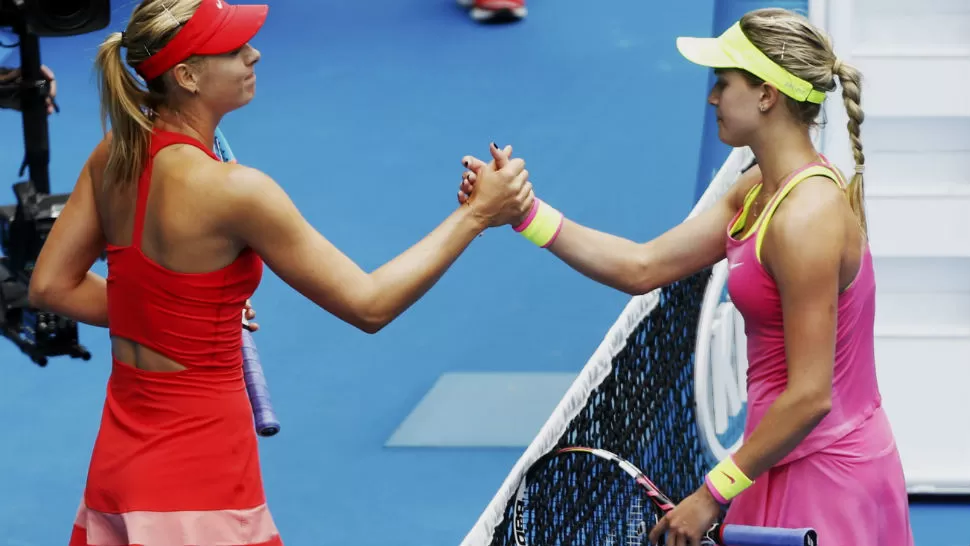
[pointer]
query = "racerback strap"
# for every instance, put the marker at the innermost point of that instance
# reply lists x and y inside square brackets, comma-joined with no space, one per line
[159,140]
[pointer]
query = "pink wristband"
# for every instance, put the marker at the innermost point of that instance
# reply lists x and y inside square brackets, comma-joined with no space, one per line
[528,219]
[714,492]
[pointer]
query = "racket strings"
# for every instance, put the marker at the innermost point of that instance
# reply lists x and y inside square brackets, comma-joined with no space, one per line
[643,410]
[592,502]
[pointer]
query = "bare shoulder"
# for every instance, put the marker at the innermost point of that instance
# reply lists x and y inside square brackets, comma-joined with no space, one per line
[98,160]
[247,186]
[807,231]
[816,205]
[205,177]
[244,195]
[103,148]
[247,182]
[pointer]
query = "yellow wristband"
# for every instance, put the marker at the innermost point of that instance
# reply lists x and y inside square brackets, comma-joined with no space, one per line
[543,224]
[726,481]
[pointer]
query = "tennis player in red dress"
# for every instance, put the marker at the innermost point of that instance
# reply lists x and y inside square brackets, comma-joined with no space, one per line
[175,462]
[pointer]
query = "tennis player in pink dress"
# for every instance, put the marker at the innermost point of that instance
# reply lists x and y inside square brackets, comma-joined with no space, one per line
[818,449]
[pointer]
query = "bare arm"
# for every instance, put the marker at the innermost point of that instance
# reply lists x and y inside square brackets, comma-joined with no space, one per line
[802,249]
[638,268]
[61,282]
[265,219]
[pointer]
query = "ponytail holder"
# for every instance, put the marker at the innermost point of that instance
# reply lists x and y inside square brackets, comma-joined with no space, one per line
[542,225]
[860,169]
[837,66]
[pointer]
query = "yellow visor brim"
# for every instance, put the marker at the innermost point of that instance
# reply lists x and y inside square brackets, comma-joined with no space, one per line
[707,52]
[733,49]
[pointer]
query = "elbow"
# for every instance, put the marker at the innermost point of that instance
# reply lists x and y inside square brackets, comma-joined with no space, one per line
[39,294]
[639,277]
[44,288]
[371,326]
[820,408]
[372,318]
[823,406]
[816,403]
[363,308]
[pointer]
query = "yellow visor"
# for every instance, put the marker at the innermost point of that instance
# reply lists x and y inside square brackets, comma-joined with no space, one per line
[733,50]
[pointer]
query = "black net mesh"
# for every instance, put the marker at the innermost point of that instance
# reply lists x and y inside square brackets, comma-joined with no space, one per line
[644,412]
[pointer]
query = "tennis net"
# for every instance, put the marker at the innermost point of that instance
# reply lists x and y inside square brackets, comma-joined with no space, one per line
[636,396]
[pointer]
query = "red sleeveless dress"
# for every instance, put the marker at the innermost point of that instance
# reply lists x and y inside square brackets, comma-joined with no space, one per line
[176,460]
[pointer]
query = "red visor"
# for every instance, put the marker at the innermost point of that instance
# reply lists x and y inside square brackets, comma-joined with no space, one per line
[215,28]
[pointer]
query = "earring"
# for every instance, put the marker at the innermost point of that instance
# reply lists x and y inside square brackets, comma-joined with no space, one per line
[763,108]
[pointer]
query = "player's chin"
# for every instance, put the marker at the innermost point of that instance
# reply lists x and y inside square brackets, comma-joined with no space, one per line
[246,96]
[725,136]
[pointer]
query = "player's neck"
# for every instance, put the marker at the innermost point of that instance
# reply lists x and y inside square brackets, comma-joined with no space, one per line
[196,123]
[782,154]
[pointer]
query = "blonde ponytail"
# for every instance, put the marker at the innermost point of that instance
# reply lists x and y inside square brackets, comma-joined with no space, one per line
[125,104]
[790,39]
[851,80]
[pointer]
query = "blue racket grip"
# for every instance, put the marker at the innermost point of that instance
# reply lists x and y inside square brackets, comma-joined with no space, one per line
[222,148]
[263,414]
[746,535]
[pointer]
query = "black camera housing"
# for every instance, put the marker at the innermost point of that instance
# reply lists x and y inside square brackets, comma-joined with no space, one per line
[55,18]
[25,225]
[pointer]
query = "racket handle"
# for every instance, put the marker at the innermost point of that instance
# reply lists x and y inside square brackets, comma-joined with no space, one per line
[263,414]
[746,535]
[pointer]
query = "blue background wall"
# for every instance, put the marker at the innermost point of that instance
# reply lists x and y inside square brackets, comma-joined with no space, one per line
[363,112]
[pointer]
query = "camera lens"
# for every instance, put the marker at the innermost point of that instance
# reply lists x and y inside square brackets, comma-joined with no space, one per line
[65,17]
[64,9]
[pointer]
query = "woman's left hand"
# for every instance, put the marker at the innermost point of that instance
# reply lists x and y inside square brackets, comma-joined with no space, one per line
[470,176]
[687,523]
[250,315]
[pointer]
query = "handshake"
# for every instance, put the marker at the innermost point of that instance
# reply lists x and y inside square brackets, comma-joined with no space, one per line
[499,192]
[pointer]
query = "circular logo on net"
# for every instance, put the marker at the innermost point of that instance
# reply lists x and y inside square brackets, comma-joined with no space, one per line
[720,369]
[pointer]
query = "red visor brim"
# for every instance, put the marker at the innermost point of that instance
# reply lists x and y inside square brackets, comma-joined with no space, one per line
[239,27]
[217,27]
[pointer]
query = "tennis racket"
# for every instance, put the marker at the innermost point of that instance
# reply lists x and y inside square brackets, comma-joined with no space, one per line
[264,416]
[582,495]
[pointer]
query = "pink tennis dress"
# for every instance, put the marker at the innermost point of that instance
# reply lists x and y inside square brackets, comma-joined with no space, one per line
[845,479]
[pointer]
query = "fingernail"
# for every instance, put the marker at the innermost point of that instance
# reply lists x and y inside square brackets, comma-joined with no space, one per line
[494,146]
[465,163]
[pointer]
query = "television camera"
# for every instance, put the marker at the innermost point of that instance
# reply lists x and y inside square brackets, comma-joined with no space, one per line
[24,225]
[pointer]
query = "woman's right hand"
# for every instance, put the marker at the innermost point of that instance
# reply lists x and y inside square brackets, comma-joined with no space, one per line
[502,192]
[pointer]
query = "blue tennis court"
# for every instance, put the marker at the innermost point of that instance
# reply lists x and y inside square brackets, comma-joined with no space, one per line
[363,112]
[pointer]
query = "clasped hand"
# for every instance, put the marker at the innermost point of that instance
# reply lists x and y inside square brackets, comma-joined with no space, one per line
[498,191]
